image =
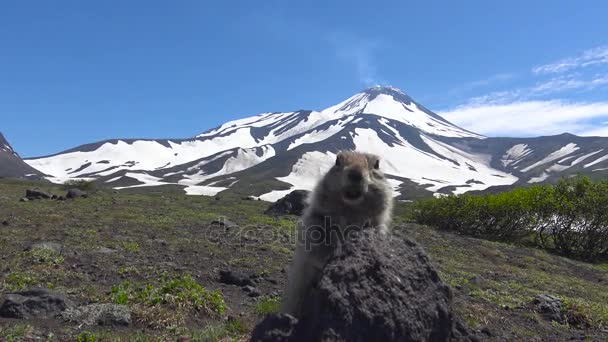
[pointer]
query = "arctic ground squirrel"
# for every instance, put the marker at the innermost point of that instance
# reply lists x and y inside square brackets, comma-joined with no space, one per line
[352,196]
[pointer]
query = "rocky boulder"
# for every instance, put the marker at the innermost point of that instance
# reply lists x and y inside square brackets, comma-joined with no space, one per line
[292,204]
[36,303]
[34,194]
[373,288]
[76,193]
[550,307]
[237,278]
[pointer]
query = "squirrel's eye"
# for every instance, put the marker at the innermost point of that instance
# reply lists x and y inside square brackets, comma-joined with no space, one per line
[377,164]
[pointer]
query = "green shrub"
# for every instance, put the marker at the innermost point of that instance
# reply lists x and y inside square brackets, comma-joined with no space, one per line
[570,217]
[267,305]
[182,291]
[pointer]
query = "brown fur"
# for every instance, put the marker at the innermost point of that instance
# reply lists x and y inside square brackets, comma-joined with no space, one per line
[353,195]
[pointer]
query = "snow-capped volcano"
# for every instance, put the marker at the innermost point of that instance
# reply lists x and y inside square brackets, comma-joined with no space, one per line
[273,153]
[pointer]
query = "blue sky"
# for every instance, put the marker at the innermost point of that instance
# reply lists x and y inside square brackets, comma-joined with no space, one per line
[74,72]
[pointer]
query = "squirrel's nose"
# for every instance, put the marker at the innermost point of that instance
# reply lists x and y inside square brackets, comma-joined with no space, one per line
[355,176]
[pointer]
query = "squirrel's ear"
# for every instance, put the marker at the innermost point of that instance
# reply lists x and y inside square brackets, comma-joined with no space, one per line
[339,160]
[377,164]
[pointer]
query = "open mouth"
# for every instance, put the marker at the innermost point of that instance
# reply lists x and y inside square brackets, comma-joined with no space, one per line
[352,194]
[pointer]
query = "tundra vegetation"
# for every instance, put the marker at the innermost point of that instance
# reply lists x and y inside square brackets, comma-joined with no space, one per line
[569,218]
[158,252]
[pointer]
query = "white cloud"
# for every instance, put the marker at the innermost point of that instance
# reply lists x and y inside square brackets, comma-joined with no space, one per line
[595,56]
[569,82]
[530,118]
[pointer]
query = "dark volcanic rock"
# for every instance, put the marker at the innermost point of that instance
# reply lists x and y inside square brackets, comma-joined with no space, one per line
[99,314]
[251,291]
[373,288]
[550,307]
[292,204]
[276,328]
[32,194]
[236,278]
[36,303]
[223,223]
[76,193]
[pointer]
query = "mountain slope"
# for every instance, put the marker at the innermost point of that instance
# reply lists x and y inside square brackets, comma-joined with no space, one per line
[271,154]
[12,166]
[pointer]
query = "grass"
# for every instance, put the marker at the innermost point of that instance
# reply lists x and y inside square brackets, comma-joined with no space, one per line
[17,332]
[154,251]
[267,305]
[175,296]
[493,277]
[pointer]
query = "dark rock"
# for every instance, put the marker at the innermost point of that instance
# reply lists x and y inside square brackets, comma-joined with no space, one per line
[236,278]
[373,288]
[54,197]
[61,198]
[292,204]
[248,198]
[550,307]
[222,222]
[487,331]
[32,194]
[109,315]
[36,303]
[276,328]
[76,193]
[251,291]
[217,198]
[5,223]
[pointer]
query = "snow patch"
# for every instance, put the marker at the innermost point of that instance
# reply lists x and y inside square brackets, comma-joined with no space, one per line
[597,161]
[515,153]
[539,179]
[562,152]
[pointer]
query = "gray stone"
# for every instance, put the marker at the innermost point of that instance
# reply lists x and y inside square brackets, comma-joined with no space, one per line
[550,307]
[222,222]
[76,193]
[251,291]
[36,194]
[293,203]
[236,278]
[373,288]
[35,303]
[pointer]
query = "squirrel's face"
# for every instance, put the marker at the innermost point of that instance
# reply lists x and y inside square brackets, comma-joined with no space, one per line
[355,175]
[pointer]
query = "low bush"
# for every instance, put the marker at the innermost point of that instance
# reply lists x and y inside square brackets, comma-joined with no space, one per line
[570,217]
[181,291]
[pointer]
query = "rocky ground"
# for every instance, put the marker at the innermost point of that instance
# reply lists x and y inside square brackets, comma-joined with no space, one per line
[154,264]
